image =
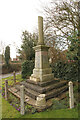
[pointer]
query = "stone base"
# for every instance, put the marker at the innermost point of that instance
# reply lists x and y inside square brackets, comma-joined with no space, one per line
[40,101]
[42,70]
[35,90]
[47,77]
[30,100]
[50,88]
[39,72]
[42,75]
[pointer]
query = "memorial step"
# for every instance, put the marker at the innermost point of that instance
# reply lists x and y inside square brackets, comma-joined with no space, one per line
[43,84]
[56,85]
[51,90]
[63,95]
[31,93]
[16,93]
[42,90]
[49,94]
[56,92]
[28,99]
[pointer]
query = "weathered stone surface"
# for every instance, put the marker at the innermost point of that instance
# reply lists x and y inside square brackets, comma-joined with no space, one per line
[42,70]
[28,99]
[44,89]
[41,83]
[39,77]
[51,89]
[40,30]
[31,93]
[41,101]
[55,92]
[41,57]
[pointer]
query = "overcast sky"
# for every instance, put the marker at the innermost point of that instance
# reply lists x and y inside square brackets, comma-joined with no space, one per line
[15,17]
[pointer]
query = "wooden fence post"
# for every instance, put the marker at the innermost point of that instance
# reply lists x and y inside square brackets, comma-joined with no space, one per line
[71,95]
[14,77]
[22,98]
[6,89]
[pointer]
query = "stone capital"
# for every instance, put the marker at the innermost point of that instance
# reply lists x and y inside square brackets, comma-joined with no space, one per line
[41,47]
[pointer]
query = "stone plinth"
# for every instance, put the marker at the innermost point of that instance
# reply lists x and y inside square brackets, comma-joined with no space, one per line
[41,102]
[42,70]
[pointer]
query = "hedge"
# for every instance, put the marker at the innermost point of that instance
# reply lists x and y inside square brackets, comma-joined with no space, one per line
[61,69]
[27,68]
[66,70]
[10,68]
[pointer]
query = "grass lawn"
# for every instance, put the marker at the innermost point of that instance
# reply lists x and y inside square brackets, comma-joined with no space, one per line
[11,81]
[10,112]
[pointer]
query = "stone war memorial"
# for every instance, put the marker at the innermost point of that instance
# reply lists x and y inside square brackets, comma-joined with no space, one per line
[42,71]
[41,87]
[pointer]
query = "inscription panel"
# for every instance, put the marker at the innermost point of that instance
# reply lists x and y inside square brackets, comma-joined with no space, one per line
[37,60]
[41,60]
[45,63]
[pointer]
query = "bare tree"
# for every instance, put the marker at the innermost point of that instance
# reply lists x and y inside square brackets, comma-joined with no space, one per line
[61,19]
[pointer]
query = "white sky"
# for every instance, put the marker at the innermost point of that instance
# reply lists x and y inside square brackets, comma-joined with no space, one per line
[15,17]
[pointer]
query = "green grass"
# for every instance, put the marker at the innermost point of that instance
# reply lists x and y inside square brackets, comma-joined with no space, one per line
[11,81]
[0,106]
[9,111]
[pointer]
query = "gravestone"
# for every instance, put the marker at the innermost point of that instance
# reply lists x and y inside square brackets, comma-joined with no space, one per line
[42,70]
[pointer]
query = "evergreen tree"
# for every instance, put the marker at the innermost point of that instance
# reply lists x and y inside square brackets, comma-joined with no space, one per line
[7,55]
[28,42]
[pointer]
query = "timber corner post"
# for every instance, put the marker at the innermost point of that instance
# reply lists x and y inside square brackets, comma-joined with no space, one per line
[14,77]
[6,89]
[71,95]
[22,100]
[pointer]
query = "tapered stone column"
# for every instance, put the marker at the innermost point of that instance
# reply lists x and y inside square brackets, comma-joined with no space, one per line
[40,30]
[42,70]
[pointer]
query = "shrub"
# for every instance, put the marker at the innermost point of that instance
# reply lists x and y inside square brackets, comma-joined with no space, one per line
[7,55]
[66,70]
[15,61]
[10,68]
[27,68]
[58,104]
